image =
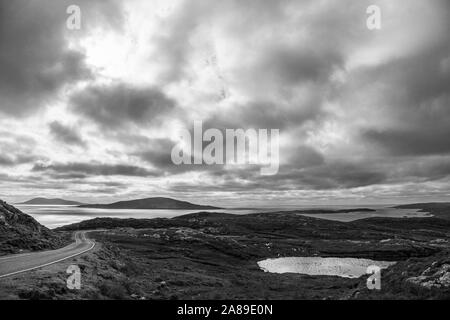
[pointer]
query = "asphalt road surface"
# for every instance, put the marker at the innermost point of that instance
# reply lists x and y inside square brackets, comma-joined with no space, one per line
[14,264]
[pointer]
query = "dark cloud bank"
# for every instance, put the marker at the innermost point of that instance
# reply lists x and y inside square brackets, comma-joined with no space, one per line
[410,135]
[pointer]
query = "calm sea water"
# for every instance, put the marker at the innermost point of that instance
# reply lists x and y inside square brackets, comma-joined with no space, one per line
[380,212]
[53,216]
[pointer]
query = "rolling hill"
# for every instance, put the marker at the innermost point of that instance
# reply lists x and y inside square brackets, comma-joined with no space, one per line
[151,203]
[45,201]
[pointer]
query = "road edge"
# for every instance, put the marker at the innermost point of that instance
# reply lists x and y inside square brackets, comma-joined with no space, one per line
[48,264]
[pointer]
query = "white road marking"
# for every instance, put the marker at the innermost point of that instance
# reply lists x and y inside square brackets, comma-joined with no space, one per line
[50,263]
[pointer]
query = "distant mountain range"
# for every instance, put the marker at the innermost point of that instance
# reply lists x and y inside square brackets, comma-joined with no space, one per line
[151,203]
[45,201]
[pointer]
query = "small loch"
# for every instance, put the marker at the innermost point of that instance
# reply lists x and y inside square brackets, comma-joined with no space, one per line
[341,267]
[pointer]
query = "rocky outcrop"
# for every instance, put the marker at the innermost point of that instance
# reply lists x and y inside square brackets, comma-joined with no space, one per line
[436,276]
[21,232]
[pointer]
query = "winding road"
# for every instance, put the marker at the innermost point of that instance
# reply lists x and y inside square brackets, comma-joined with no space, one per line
[15,264]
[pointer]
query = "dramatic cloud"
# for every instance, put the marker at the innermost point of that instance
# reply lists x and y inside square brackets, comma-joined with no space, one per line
[36,60]
[269,115]
[17,150]
[416,97]
[66,134]
[158,153]
[95,169]
[363,115]
[115,105]
[6,160]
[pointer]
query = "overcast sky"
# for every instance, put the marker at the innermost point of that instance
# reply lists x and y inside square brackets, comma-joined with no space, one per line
[92,114]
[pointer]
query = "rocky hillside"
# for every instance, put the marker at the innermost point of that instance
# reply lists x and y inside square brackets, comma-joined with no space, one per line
[20,232]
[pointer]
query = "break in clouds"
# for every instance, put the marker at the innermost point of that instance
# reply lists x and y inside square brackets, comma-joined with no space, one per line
[364,115]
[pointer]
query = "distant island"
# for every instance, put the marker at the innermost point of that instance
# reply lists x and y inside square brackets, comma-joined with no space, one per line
[45,201]
[151,203]
[329,211]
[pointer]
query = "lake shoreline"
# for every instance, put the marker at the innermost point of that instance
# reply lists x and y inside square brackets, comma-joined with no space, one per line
[54,216]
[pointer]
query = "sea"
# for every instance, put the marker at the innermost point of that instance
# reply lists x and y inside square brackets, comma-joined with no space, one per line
[53,216]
